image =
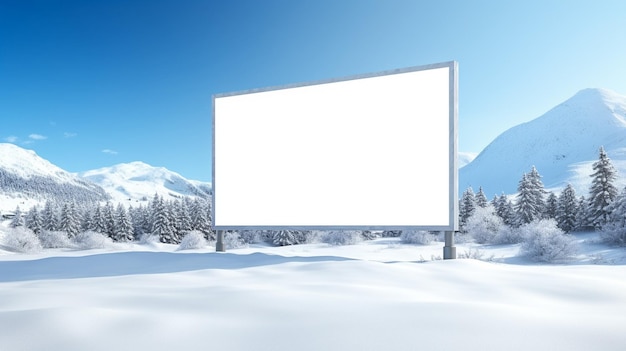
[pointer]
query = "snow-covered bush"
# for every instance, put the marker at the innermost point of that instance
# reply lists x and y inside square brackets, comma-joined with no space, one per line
[484,224]
[613,234]
[22,239]
[92,240]
[54,239]
[149,239]
[508,235]
[420,237]
[232,240]
[193,240]
[544,241]
[342,237]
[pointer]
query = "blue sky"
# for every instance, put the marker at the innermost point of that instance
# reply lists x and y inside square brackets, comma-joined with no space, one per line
[89,84]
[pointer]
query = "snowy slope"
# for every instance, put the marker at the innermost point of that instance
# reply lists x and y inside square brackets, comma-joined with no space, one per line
[562,144]
[137,180]
[29,179]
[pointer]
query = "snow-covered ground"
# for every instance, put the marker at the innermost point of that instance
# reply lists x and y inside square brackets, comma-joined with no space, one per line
[376,295]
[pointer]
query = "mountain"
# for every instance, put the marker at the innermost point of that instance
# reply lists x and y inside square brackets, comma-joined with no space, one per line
[27,179]
[562,144]
[137,181]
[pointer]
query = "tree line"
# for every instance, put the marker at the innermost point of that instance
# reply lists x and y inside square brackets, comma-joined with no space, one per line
[603,209]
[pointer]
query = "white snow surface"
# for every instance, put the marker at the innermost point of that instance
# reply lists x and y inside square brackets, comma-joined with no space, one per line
[563,144]
[376,295]
[134,181]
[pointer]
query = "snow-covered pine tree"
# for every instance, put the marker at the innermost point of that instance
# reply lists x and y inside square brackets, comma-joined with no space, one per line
[109,220]
[99,223]
[538,190]
[162,226]
[200,219]
[34,221]
[18,220]
[50,218]
[504,209]
[530,204]
[467,204]
[618,210]
[70,223]
[123,226]
[551,206]
[87,220]
[603,190]
[525,206]
[284,238]
[567,207]
[183,218]
[480,198]
[583,221]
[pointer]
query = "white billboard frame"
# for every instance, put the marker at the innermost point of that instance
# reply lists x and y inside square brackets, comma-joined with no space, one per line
[227,183]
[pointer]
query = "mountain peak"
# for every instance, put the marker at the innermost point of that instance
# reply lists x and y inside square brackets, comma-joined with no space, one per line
[138,180]
[557,142]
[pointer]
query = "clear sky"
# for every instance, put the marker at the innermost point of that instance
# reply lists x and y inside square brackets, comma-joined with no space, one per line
[89,84]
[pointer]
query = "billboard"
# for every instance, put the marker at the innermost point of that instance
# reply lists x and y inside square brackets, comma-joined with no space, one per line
[370,152]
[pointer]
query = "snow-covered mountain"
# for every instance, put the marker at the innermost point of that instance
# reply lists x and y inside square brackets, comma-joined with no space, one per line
[563,143]
[137,181]
[27,179]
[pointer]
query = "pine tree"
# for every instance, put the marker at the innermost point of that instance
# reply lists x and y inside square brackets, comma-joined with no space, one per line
[480,198]
[162,226]
[582,215]
[70,223]
[50,219]
[618,210]
[538,190]
[467,204]
[551,206]
[602,191]
[108,220]
[123,226]
[34,221]
[99,223]
[183,219]
[284,238]
[18,220]
[504,209]
[530,204]
[200,220]
[525,206]
[567,208]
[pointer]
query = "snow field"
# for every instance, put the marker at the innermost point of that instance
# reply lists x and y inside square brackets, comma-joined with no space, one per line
[370,296]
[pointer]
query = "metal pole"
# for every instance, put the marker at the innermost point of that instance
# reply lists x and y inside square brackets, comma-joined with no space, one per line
[449,250]
[219,245]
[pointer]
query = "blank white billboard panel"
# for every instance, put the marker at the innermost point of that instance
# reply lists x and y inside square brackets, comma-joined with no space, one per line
[372,152]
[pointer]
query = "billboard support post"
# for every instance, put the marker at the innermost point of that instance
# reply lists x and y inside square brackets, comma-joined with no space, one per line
[449,250]
[219,244]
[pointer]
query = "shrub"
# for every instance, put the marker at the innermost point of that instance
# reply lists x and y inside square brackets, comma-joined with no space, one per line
[484,224]
[54,239]
[22,239]
[544,241]
[92,240]
[342,237]
[420,237]
[193,240]
[232,240]
[508,235]
[613,234]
